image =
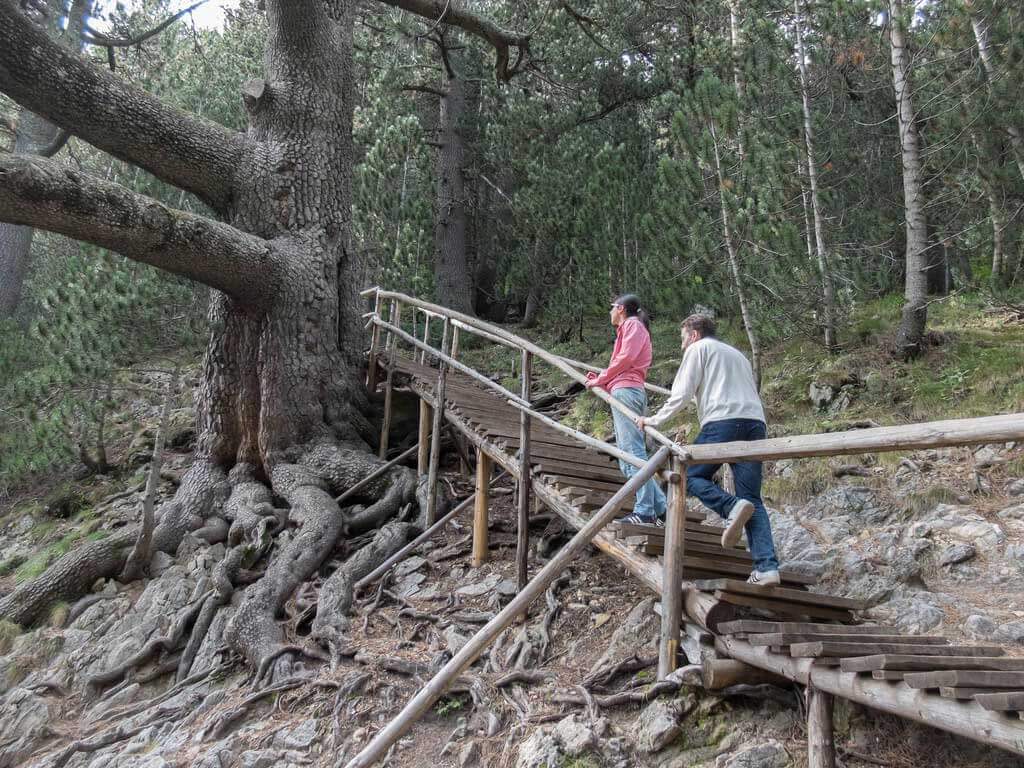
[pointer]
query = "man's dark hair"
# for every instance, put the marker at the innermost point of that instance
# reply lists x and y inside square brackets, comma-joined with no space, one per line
[702,324]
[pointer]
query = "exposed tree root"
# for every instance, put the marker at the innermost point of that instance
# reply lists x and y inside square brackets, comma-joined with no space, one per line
[166,643]
[85,604]
[637,696]
[606,673]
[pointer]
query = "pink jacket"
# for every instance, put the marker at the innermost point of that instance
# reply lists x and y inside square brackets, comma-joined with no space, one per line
[631,357]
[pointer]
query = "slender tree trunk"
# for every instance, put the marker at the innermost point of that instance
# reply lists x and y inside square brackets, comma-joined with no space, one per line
[734,265]
[910,335]
[452,273]
[821,250]
[988,60]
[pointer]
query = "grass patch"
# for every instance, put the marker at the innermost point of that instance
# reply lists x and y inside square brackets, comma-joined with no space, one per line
[8,631]
[806,479]
[59,613]
[928,499]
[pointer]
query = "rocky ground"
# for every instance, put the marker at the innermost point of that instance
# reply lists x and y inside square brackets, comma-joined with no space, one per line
[933,540]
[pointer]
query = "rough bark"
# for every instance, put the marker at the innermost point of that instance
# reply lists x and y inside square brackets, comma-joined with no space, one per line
[910,335]
[452,273]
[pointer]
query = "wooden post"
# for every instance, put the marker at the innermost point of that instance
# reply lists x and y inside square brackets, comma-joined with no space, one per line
[392,344]
[523,523]
[426,419]
[420,703]
[821,747]
[672,571]
[371,366]
[455,342]
[435,432]
[400,555]
[483,501]
[426,338]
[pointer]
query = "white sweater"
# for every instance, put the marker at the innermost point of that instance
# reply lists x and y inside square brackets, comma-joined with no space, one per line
[721,381]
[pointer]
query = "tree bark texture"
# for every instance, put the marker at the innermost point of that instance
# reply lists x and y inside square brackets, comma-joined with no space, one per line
[281,401]
[452,273]
[910,335]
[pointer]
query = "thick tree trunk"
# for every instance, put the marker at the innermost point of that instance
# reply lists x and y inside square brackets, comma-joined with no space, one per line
[910,335]
[452,274]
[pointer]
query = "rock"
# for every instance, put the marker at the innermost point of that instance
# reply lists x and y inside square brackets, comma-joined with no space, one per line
[1016,488]
[413,563]
[24,723]
[575,735]
[979,627]
[539,751]
[1012,513]
[300,737]
[1013,632]
[988,535]
[507,588]
[454,640]
[1015,553]
[659,724]
[480,587]
[862,504]
[469,755]
[410,585]
[986,456]
[160,562]
[635,635]
[64,502]
[770,754]
[820,395]
[957,553]
[914,614]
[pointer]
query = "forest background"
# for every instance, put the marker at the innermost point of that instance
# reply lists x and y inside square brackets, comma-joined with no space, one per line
[843,191]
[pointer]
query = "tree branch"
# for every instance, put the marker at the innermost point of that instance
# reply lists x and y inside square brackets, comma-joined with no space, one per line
[192,154]
[452,13]
[419,88]
[98,38]
[46,194]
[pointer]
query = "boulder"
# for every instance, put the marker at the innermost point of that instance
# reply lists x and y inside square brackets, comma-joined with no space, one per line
[957,553]
[769,754]
[659,723]
[1012,632]
[979,627]
[540,750]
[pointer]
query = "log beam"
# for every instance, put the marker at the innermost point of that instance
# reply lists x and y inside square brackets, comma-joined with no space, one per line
[483,502]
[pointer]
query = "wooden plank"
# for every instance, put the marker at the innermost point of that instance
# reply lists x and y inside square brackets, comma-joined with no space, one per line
[423,456]
[844,650]
[758,626]
[785,595]
[723,566]
[789,638]
[1003,701]
[887,674]
[918,663]
[969,693]
[964,678]
[969,721]
[784,607]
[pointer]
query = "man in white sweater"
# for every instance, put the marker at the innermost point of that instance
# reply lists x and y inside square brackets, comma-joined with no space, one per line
[721,381]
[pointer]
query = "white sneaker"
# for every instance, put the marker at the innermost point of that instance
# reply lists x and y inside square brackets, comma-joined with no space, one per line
[764,578]
[740,513]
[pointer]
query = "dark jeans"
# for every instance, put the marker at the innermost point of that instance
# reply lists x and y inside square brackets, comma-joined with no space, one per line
[748,486]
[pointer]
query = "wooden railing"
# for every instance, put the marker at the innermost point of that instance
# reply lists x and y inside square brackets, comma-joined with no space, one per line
[909,437]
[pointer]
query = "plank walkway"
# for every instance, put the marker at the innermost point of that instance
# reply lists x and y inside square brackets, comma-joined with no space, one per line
[791,630]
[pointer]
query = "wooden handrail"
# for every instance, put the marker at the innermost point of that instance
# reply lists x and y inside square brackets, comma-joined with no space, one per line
[472,324]
[931,434]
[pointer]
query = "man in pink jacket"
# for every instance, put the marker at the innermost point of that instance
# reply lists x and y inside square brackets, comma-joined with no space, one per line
[624,379]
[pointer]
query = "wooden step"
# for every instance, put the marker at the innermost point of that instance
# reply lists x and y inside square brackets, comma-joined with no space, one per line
[1003,701]
[900,662]
[780,594]
[754,626]
[848,650]
[785,608]
[791,638]
[969,693]
[965,678]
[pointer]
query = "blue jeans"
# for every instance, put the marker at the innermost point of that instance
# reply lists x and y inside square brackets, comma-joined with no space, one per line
[650,499]
[748,486]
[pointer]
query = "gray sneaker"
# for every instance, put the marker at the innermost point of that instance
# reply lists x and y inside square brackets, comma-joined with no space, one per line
[740,513]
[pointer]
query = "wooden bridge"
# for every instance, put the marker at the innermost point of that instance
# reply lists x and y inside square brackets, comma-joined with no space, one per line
[741,632]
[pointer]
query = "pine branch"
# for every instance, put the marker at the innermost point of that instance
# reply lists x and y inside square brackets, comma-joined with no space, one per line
[46,194]
[190,153]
